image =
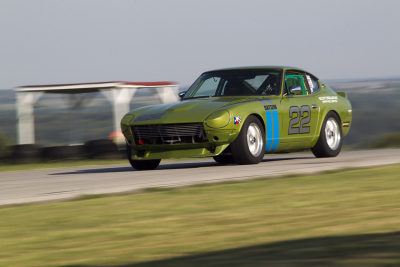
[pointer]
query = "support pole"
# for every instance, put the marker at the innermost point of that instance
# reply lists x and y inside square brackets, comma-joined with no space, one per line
[76,103]
[168,94]
[26,124]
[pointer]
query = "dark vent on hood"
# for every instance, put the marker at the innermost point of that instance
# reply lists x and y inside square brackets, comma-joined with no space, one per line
[185,133]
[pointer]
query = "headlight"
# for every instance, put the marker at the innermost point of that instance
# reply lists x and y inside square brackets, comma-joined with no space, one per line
[218,119]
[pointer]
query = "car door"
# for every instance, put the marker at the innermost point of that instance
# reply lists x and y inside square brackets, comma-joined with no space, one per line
[299,113]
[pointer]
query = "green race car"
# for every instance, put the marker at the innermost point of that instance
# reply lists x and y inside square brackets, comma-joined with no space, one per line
[236,115]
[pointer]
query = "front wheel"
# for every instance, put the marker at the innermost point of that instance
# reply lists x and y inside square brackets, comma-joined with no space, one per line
[141,165]
[249,145]
[330,138]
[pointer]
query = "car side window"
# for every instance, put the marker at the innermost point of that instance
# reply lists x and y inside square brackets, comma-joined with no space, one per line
[295,80]
[312,83]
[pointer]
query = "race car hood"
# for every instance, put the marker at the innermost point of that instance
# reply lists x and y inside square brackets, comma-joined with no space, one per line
[184,111]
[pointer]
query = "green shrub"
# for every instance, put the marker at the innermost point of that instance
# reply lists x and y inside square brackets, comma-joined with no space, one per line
[390,140]
[3,142]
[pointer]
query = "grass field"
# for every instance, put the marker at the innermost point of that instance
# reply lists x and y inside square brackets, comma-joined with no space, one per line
[347,218]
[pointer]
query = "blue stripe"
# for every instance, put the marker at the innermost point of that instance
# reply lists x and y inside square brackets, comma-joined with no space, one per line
[276,130]
[268,116]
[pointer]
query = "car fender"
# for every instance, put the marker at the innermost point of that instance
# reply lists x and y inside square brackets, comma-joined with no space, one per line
[239,113]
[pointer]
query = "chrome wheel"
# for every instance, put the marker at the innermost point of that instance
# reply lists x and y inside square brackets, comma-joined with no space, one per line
[332,133]
[254,139]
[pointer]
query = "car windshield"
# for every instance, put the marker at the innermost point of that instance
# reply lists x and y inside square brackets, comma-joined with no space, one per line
[236,83]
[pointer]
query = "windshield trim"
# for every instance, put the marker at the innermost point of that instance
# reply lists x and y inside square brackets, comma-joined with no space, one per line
[194,85]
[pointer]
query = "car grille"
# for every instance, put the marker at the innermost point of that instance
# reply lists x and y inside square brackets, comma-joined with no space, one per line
[185,133]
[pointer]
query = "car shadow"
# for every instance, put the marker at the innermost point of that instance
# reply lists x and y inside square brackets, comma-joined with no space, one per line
[378,249]
[168,166]
[102,170]
[286,158]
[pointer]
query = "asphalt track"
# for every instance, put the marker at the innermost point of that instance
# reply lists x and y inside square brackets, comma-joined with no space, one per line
[65,183]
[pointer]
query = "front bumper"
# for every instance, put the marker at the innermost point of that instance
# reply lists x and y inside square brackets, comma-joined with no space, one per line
[148,154]
[215,142]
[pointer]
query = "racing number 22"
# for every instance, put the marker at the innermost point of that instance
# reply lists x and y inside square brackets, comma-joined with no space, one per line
[304,120]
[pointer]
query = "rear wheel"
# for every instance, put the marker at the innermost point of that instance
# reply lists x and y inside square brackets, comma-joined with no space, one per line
[141,165]
[330,138]
[249,145]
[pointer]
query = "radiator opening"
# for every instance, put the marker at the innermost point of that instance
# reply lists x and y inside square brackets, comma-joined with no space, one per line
[161,134]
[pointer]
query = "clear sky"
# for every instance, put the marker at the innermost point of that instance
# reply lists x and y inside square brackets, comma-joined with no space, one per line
[50,42]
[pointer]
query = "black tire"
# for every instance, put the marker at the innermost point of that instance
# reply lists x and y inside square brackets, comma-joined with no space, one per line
[240,147]
[322,149]
[141,165]
[224,159]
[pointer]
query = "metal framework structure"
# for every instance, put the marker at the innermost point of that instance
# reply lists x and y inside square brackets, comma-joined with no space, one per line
[119,94]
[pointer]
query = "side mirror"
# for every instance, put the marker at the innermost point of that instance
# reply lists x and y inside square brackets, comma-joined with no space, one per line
[295,89]
[182,94]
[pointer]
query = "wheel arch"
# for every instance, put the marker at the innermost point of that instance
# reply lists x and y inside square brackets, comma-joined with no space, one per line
[258,116]
[337,113]
[244,111]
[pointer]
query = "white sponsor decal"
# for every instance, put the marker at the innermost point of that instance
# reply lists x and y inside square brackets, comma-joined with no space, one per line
[328,99]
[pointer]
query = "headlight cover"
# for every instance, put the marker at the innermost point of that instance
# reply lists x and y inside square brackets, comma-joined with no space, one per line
[127,119]
[125,122]
[218,119]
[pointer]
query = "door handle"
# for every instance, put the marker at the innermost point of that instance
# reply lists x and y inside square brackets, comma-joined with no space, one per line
[314,106]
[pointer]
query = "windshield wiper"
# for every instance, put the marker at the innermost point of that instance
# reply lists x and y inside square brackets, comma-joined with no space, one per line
[210,96]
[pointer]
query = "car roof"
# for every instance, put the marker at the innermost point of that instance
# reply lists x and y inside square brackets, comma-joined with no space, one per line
[256,67]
